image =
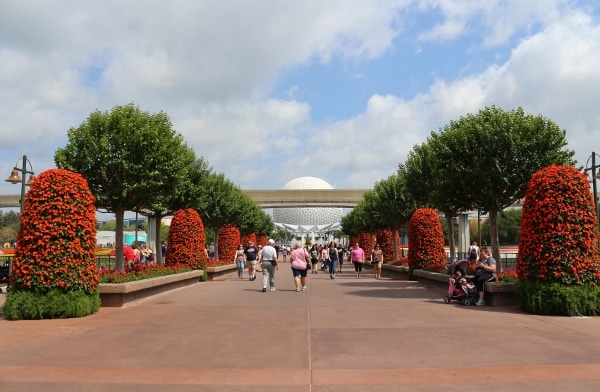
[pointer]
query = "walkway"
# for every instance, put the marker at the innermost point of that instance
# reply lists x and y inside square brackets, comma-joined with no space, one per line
[342,335]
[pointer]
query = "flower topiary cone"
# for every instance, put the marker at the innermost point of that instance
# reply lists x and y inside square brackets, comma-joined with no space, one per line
[558,264]
[186,241]
[426,241]
[54,272]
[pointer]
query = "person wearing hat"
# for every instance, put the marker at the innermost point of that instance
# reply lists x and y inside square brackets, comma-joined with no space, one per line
[269,265]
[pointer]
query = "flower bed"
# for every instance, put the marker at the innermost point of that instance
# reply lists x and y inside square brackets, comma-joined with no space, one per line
[220,271]
[395,271]
[120,294]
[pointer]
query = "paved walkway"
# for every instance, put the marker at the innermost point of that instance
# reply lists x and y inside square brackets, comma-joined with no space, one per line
[340,335]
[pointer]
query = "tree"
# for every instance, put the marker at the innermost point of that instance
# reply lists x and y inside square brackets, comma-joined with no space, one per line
[129,157]
[222,204]
[487,159]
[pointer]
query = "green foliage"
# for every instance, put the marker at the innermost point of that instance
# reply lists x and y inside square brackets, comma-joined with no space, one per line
[204,276]
[546,298]
[29,305]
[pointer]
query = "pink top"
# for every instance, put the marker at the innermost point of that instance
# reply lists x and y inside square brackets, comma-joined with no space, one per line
[357,254]
[298,258]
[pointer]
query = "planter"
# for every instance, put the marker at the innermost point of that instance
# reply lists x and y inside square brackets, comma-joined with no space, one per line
[120,294]
[395,271]
[220,272]
[496,294]
[500,294]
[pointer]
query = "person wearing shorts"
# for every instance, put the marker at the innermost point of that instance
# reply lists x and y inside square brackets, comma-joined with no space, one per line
[299,260]
[377,261]
[357,255]
[314,258]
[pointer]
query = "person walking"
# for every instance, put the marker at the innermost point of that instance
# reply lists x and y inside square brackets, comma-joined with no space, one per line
[240,260]
[333,259]
[252,257]
[314,258]
[324,259]
[341,252]
[299,260]
[269,265]
[357,255]
[377,261]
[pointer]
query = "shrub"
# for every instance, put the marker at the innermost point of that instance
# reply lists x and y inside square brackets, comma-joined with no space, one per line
[557,299]
[186,242]
[229,240]
[558,243]
[426,242]
[54,260]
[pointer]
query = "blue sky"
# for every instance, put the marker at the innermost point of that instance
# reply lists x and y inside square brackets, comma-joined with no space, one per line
[271,90]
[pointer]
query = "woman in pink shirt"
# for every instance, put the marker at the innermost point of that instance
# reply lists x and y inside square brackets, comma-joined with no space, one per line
[300,260]
[357,255]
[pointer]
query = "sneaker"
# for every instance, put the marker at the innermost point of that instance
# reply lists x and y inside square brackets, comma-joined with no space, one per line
[303,288]
[264,289]
[297,289]
[272,288]
[480,303]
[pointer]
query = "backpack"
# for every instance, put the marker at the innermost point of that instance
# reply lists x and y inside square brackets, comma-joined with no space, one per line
[473,253]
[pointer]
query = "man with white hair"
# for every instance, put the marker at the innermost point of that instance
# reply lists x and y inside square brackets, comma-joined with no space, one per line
[269,265]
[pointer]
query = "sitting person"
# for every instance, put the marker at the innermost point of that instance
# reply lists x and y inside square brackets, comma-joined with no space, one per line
[486,272]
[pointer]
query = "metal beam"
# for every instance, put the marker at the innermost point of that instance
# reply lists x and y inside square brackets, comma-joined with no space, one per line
[282,198]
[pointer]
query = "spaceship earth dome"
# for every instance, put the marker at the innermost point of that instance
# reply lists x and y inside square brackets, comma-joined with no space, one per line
[307,215]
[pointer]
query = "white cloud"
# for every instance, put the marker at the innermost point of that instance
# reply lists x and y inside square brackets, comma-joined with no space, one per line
[212,67]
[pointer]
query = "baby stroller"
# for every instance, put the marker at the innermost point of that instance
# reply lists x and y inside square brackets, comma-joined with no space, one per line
[5,273]
[459,288]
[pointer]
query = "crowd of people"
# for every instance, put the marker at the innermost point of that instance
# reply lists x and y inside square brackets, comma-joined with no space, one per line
[326,258]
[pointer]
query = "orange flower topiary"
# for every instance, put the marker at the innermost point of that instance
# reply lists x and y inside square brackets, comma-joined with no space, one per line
[229,240]
[559,229]
[426,241]
[57,236]
[186,243]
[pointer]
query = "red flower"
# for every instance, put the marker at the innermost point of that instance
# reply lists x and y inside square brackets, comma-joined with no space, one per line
[57,237]
[186,241]
[229,240]
[559,237]
[426,241]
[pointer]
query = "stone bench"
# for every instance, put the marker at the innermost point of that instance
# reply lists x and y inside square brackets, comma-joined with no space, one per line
[495,294]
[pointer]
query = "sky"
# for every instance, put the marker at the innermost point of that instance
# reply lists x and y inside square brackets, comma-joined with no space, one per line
[271,90]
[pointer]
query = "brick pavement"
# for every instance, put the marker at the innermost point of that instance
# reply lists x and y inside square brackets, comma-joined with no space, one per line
[340,335]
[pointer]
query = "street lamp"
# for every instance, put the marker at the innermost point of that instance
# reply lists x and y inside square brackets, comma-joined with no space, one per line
[593,179]
[15,179]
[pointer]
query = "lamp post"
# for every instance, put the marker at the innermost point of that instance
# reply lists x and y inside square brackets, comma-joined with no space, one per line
[15,179]
[593,179]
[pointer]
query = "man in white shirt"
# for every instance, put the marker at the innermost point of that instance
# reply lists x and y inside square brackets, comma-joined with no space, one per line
[269,265]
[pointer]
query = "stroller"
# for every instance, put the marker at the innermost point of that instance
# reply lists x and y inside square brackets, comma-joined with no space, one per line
[459,287]
[5,273]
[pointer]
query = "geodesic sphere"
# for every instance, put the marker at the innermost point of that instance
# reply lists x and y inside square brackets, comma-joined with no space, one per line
[307,215]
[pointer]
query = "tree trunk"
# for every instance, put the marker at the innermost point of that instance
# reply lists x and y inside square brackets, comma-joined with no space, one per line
[216,236]
[450,235]
[157,238]
[119,242]
[493,216]
[394,236]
